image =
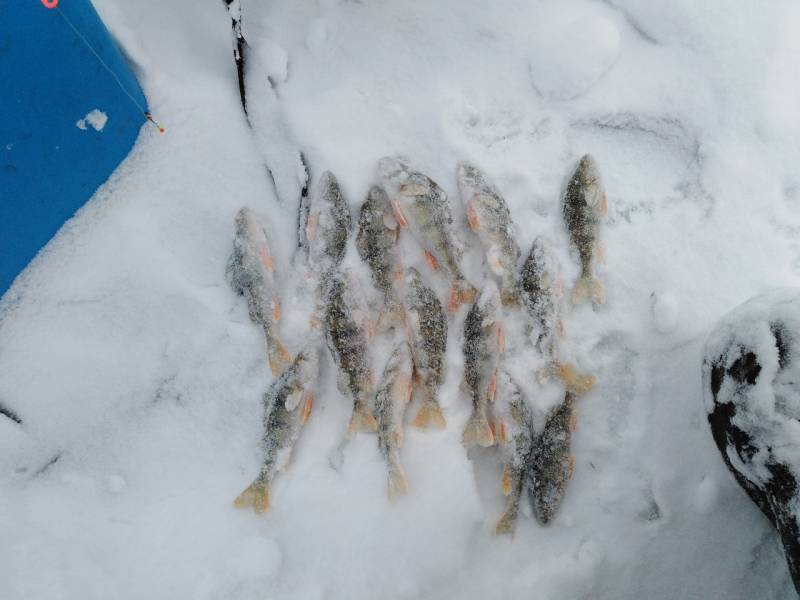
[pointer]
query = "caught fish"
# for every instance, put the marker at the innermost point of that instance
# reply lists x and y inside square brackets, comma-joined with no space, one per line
[585,207]
[426,324]
[484,341]
[541,291]
[552,465]
[287,406]
[376,241]
[251,273]
[515,433]
[347,331]
[423,208]
[327,227]
[488,216]
[391,400]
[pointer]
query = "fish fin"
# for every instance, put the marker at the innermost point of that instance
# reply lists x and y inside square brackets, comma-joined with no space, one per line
[507,524]
[600,251]
[279,357]
[430,259]
[472,218]
[397,482]
[398,436]
[495,259]
[604,206]
[397,210]
[311,226]
[501,338]
[574,380]
[501,431]
[308,404]
[491,388]
[571,467]
[562,331]
[430,416]
[461,292]
[276,309]
[256,496]
[265,257]
[362,420]
[587,288]
[573,421]
[477,432]
[506,481]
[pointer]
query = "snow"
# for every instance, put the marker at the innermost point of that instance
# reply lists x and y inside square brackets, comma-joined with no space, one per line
[135,368]
[95,118]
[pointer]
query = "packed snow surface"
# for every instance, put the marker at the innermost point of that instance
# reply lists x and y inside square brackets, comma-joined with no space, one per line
[138,376]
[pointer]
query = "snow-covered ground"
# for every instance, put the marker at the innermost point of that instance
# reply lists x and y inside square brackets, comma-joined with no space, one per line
[137,373]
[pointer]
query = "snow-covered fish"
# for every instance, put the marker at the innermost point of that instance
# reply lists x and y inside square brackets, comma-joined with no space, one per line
[514,428]
[376,242]
[541,292]
[484,341]
[251,273]
[327,227]
[426,324]
[422,207]
[347,331]
[551,463]
[488,216]
[585,207]
[391,400]
[287,406]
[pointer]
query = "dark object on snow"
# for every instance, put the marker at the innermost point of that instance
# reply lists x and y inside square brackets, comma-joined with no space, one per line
[7,412]
[240,45]
[752,395]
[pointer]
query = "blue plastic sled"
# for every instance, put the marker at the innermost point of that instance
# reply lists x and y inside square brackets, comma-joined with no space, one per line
[52,158]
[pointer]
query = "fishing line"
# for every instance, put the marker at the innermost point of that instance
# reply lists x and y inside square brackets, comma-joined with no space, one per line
[136,103]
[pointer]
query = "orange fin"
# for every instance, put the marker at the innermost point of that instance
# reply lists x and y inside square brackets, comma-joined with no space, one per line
[361,420]
[477,432]
[308,404]
[276,309]
[398,215]
[574,380]
[587,288]
[500,430]
[571,467]
[491,389]
[279,357]
[507,524]
[472,218]
[430,416]
[256,496]
[431,260]
[501,338]
[397,482]
[461,292]
[506,481]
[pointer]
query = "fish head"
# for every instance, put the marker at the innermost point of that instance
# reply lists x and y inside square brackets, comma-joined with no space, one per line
[307,365]
[469,178]
[592,183]
[488,303]
[393,170]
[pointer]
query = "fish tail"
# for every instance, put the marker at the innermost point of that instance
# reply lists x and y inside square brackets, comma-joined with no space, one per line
[256,496]
[391,315]
[574,380]
[397,481]
[430,416]
[279,357]
[588,288]
[362,420]
[477,432]
[509,295]
[461,292]
[507,523]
